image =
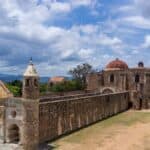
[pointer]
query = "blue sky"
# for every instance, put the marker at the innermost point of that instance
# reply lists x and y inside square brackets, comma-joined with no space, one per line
[60,34]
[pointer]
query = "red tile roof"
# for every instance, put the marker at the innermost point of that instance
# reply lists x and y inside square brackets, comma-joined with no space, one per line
[117,64]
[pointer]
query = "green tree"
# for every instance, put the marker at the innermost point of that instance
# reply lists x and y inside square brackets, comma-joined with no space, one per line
[66,86]
[43,87]
[15,87]
[80,72]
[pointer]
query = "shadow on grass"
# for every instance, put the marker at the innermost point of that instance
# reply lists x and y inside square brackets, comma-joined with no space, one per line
[126,118]
[46,146]
[49,146]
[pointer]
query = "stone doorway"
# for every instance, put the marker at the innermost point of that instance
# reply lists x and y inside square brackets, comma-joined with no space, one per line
[13,135]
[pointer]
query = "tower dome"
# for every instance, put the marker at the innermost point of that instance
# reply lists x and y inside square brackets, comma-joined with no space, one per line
[30,88]
[140,64]
[116,64]
[31,71]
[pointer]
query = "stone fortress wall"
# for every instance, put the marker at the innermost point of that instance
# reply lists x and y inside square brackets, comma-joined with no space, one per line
[63,115]
[32,119]
[30,122]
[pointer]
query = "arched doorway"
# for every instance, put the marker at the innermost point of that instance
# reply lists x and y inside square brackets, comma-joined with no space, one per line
[13,134]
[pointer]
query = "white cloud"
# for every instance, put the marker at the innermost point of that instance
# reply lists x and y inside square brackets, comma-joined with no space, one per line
[85,53]
[135,14]
[26,30]
[77,3]
[105,40]
[143,6]
[147,42]
[57,7]
[136,21]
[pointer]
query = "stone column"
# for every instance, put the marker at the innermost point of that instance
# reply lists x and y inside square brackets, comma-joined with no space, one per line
[30,125]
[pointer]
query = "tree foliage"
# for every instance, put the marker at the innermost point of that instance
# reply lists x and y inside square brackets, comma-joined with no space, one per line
[43,87]
[15,87]
[80,72]
[66,86]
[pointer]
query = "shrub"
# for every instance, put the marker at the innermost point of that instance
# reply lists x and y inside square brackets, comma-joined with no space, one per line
[66,86]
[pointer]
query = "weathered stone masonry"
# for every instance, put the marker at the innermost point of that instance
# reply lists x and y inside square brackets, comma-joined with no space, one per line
[60,117]
[21,123]
[31,120]
[37,121]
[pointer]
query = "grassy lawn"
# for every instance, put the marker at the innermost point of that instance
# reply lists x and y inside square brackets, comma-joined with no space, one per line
[103,131]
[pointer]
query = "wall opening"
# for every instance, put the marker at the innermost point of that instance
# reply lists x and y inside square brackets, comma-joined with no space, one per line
[137,78]
[35,82]
[111,78]
[130,105]
[107,91]
[27,82]
[13,134]
[140,103]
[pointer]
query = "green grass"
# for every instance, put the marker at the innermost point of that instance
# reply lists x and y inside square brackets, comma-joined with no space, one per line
[124,119]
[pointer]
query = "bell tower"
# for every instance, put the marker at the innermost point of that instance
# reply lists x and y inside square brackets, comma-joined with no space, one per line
[30,88]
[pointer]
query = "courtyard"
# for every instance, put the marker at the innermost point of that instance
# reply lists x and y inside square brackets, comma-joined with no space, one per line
[126,131]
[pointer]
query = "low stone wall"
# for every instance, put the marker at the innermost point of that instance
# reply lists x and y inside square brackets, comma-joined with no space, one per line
[63,116]
[67,97]
[53,94]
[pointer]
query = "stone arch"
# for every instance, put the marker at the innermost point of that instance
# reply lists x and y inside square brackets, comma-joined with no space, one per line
[107,90]
[35,82]
[13,134]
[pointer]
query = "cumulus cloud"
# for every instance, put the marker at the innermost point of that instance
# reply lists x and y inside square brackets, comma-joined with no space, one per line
[27,28]
[137,21]
[136,14]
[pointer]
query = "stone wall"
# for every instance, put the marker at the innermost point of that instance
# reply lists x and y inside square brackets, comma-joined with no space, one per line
[30,124]
[21,122]
[93,81]
[69,93]
[63,116]
[101,81]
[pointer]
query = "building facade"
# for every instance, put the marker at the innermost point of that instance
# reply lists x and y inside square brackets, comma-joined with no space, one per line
[118,77]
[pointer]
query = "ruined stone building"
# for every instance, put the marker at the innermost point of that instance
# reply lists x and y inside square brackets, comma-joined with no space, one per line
[118,77]
[31,119]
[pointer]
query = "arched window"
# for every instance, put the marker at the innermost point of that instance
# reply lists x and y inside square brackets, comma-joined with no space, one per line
[27,82]
[111,78]
[35,82]
[137,78]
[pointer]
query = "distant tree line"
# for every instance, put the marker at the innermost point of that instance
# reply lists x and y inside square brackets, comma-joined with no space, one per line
[78,82]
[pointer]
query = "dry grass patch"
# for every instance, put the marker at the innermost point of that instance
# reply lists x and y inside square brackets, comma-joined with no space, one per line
[131,130]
